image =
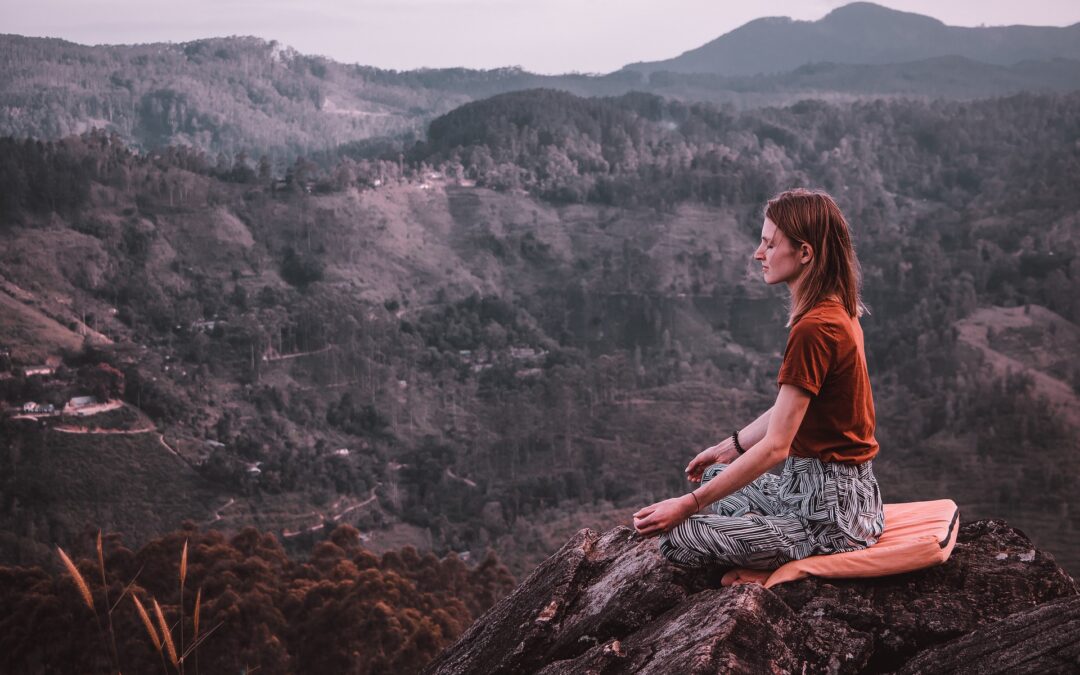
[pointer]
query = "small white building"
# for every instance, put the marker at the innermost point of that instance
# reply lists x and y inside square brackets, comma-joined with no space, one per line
[341,452]
[205,325]
[527,353]
[82,401]
[38,408]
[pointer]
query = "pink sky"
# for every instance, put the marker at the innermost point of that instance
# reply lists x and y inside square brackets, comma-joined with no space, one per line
[546,36]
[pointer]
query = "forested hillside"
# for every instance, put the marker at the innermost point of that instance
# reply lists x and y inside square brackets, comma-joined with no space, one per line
[258,97]
[504,362]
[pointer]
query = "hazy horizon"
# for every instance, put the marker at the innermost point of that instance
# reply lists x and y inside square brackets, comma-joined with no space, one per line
[554,37]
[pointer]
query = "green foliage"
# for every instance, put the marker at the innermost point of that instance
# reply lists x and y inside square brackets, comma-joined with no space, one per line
[356,419]
[640,149]
[42,178]
[300,270]
[475,322]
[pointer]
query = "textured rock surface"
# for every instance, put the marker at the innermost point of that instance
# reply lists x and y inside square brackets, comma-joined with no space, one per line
[610,603]
[1045,639]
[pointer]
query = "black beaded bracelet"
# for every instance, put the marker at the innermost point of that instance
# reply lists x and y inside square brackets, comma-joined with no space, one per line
[735,439]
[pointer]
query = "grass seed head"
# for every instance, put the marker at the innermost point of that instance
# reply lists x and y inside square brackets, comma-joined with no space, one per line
[198,607]
[146,622]
[166,636]
[84,590]
[183,565]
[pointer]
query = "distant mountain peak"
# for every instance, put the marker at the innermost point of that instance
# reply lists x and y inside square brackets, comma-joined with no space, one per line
[871,12]
[868,34]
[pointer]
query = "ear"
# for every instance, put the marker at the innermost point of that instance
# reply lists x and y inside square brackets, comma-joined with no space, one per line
[806,253]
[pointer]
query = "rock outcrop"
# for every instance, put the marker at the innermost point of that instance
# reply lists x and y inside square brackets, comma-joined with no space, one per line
[610,603]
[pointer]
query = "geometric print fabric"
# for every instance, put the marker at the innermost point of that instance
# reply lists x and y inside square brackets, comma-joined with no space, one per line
[812,508]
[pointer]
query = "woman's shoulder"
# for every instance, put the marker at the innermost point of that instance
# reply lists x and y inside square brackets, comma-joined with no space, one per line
[825,310]
[828,316]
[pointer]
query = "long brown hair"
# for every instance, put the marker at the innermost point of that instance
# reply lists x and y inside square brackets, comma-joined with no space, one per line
[812,217]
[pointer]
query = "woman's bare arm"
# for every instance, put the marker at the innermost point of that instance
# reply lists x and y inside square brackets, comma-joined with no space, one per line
[783,422]
[752,433]
[725,451]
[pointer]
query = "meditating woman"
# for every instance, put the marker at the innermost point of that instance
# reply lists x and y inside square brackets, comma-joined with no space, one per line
[822,424]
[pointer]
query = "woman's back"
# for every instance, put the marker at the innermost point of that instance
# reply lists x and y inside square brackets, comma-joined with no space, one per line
[825,356]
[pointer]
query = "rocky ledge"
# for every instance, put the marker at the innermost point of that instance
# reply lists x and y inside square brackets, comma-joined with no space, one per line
[610,603]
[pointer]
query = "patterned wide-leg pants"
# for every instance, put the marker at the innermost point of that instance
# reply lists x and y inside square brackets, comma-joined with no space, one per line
[812,508]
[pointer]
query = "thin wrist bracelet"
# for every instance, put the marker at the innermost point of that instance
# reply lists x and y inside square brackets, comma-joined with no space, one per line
[696,502]
[735,439]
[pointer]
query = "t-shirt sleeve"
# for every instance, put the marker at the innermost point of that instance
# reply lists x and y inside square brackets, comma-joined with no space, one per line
[809,353]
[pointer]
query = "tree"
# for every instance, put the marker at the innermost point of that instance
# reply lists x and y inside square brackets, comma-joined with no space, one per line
[300,270]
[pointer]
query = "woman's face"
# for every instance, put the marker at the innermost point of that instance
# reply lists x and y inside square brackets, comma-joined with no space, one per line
[780,261]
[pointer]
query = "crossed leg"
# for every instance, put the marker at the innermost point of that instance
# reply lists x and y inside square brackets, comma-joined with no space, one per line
[745,529]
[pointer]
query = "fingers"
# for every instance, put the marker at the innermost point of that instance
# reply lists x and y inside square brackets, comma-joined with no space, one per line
[645,528]
[644,520]
[650,525]
[696,467]
[642,513]
[650,528]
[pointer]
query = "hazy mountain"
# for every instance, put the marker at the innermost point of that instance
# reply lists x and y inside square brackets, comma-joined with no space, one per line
[865,33]
[238,94]
[222,95]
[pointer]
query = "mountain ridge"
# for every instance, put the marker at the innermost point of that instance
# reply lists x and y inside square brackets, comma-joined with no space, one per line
[257,97]
[864,33]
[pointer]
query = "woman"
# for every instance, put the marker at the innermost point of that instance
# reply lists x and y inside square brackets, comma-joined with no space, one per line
[822,424]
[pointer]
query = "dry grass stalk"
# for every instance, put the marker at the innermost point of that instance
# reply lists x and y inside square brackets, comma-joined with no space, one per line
[146,622]
[170,646]
[198,607]
[79,581]
[195,644]
[101,561]
[183,577]
[108,605]
[183,564]
[127,589]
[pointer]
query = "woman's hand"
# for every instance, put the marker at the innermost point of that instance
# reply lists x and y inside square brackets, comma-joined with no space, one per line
[723,451]
[663,516]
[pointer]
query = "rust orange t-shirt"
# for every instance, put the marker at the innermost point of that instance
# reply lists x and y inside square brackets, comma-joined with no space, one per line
[825,356]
